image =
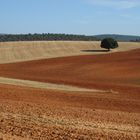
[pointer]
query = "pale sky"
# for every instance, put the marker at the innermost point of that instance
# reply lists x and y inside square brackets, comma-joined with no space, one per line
[89,17]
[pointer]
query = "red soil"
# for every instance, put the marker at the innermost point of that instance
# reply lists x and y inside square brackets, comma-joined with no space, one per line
[117,71]
[51,114]
[105,101]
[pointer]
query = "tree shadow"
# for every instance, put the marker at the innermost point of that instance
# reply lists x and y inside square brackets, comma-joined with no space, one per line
[95,50]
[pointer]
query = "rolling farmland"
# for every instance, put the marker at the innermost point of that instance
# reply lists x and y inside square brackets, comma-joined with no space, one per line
[35,50]
[69,90]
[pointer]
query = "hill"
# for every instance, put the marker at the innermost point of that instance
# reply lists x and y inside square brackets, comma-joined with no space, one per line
[30,111]
[90,71]
[33,50]
[125,38]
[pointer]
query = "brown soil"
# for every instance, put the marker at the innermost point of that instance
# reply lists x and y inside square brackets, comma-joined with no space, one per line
[50,114]
[32,113]
[117,71]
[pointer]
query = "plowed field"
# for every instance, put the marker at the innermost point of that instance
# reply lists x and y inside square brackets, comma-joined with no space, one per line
[117,71]
[28,113]
[83,97]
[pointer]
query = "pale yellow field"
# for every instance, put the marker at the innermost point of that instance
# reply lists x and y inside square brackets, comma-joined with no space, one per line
[33,50]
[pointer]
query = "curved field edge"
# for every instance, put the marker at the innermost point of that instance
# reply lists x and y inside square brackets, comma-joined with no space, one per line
[117,71]
[35,50]
[38,113]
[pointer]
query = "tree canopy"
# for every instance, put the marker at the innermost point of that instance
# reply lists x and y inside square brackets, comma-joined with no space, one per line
[109,43]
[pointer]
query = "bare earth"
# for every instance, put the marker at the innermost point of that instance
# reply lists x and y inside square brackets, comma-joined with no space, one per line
[51,114]
[56,98]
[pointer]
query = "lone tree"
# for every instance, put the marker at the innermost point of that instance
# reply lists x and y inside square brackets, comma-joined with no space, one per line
[109,43]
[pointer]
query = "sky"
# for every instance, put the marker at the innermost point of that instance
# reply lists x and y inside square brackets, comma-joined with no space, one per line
[89,17]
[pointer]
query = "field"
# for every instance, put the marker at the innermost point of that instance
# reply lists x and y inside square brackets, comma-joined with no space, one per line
[34,50]
[69,90]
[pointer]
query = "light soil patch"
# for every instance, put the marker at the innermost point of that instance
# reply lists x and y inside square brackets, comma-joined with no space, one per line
[34,50]
[42,85]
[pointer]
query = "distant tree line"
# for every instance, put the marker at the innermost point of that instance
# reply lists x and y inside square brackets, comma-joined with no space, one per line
[45,37]
[137,40]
